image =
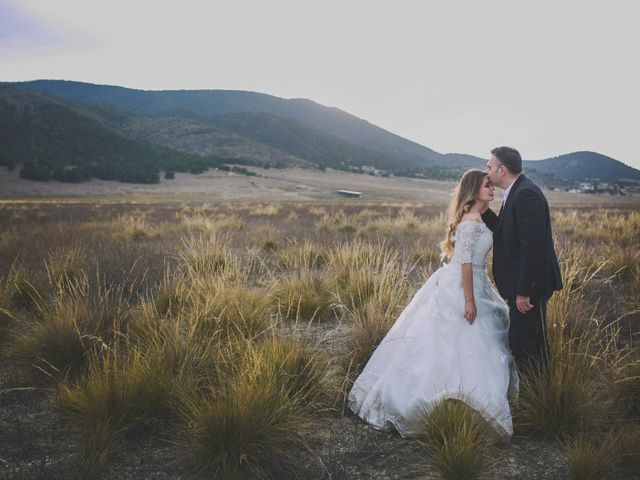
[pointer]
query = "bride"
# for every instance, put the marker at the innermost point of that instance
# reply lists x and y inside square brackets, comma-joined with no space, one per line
[450,341]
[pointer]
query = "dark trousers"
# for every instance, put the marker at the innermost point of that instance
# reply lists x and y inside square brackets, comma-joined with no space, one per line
[528,335]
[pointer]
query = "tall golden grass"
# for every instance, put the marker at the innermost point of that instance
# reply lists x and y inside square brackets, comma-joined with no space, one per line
[178,320]
[575,392]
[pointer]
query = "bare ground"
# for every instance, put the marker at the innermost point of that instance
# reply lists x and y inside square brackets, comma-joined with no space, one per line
[296,184]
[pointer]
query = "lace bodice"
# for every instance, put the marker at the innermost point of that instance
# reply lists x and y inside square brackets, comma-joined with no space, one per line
[472,242]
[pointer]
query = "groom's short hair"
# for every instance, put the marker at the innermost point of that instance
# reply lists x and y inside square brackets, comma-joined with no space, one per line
[510,158]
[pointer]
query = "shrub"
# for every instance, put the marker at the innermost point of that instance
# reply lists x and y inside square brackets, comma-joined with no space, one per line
[35,171]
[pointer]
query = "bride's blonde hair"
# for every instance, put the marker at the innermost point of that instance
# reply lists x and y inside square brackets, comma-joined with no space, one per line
[463,196]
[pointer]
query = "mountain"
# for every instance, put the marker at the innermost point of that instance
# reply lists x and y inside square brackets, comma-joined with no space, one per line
[584,165]
[251,136]
[303,141]
[211,103]
[188,135]
[256,138]
[50,138]
[574,166]
[463,160]
[257,129]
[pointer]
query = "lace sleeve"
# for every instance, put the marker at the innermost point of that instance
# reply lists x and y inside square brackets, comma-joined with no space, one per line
[466,237]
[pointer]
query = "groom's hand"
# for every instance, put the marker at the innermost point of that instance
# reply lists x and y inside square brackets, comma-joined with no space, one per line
[523,304]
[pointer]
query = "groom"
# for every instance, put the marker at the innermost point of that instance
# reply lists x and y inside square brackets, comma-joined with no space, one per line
[525,267]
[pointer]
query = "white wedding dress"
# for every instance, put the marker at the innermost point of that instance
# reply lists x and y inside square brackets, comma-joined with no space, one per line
[432,353]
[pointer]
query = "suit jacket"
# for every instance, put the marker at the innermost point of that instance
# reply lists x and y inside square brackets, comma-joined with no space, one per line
[524,259]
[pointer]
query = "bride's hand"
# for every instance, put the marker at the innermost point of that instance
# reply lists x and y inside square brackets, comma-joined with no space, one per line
[470,311]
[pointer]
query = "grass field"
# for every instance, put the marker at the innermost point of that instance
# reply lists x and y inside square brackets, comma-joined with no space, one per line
[170,336]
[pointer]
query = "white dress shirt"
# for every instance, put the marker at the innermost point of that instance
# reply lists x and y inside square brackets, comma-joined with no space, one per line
[506,190]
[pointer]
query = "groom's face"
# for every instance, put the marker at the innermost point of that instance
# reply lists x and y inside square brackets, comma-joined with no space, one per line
[495,171]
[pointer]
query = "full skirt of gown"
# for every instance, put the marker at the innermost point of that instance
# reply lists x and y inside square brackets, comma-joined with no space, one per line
[432,353]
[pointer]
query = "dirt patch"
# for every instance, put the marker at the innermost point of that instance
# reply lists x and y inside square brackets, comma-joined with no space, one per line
[273,184]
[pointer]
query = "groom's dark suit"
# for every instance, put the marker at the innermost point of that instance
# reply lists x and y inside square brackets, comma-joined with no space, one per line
[525,263]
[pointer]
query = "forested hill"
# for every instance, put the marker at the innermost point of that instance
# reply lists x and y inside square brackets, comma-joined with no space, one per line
[81,130]
[50,139]
[211,103]
[585,165]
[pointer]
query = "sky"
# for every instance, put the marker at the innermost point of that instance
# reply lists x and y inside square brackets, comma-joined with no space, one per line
[547,77]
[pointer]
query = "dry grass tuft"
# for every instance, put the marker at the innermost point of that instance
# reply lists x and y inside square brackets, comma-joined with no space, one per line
[63,265]
[303,296]
[305,376]
[228,309]
[627,388]
[573,394]
[269,245]
[266,210]
[7,298]
[248,429]
[10,240]
[119,395]
[459,442]
[135,226]
[629,448]
[250,426]
[198,223]
[179,334]
[303,256]
[172,294]
[26,293]
[206,254]
[59,337]
[371,293]
[592,459]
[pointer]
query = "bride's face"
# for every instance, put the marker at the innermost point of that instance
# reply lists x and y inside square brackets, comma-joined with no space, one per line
[486,191]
